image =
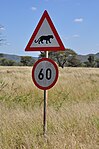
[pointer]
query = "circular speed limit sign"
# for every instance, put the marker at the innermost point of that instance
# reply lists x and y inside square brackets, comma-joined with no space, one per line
[45,73]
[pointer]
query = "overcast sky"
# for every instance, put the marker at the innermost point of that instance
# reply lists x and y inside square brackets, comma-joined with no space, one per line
[76,21]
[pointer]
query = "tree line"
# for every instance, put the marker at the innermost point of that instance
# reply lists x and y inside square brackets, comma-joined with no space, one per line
[25,61]
[67,58]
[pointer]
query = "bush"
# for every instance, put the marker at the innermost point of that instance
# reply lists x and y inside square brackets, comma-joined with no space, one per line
[6,62]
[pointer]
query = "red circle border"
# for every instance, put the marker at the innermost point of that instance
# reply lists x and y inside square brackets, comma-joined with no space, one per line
[56,78]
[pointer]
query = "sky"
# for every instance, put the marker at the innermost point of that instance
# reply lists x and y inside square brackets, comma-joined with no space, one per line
[76,21]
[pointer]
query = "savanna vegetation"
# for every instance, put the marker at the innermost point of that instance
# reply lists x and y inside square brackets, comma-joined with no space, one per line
[67,58]
[24,61]
[72,115]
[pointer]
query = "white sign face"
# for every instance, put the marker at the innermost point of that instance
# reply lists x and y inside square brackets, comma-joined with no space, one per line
[45,73]
[45,37]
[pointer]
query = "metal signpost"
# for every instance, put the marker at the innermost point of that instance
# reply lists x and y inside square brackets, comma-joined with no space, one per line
[45,75]
[45,71]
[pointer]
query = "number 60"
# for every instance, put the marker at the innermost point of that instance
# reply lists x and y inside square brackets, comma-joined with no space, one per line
[48,74]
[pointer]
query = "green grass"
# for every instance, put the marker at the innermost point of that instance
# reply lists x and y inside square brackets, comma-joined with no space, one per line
[72,110]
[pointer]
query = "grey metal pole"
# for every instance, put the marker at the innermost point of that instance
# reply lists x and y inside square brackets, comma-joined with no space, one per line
[45,107]
[45,113]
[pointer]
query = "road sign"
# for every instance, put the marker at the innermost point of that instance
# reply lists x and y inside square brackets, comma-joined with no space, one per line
[45,73]
[45,36]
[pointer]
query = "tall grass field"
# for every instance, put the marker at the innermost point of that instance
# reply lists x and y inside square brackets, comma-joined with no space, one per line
[72,110]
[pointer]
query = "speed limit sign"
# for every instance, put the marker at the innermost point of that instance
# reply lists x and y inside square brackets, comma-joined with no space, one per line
[45,73]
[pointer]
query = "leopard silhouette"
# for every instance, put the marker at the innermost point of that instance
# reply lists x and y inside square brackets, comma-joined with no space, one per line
[47,39]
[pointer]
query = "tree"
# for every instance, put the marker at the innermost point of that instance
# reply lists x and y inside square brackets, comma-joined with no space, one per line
[6,62]
[91,61]
[61,57]
[27,60]
[91,58]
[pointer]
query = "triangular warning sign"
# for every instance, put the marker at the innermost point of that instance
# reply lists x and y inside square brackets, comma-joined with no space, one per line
[45,36]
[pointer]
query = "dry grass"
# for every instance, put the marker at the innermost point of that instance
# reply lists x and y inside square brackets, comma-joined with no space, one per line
[73,110]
